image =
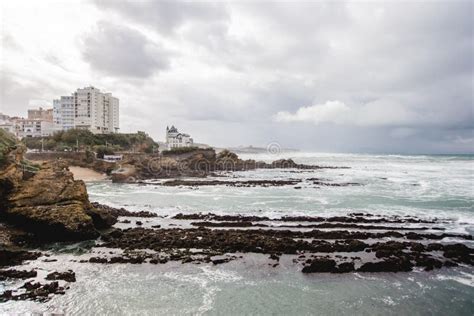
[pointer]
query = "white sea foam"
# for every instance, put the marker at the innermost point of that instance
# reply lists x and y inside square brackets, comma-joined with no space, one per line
[423,186]
[464,278]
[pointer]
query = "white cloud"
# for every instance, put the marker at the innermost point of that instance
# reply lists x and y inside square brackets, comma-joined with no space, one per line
[330,112]
[382,112]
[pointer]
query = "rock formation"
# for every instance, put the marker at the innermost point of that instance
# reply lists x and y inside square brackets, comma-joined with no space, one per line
[45,199]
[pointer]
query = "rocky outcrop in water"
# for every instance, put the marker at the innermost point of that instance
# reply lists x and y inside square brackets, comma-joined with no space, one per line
[194,163]
[11,257]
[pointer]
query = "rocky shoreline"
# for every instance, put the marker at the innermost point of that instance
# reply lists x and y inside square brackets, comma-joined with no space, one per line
[197,163]
[357,242]
[43,204]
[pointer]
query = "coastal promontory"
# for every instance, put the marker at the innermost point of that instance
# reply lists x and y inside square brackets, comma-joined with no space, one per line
[44,199]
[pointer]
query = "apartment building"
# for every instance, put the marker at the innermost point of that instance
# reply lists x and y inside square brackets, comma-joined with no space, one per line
[87,108]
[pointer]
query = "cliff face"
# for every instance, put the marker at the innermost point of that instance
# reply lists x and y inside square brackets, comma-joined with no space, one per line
[46,200]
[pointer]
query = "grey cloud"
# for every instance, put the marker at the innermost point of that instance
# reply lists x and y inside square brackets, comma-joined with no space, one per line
[419,55]
[165,16]
[9,41]
[240,63]
[124,52]
[16,93]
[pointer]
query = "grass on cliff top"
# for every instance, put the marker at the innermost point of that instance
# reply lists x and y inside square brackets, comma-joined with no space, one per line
[7,143]
[6,139]
[68,140]
[180,150]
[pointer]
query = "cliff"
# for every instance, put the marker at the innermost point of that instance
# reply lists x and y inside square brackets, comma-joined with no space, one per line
[45,199]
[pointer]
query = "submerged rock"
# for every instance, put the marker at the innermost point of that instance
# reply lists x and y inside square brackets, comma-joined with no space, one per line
[17,274]
[388,265]
[16,257]
[68,276]
[321,265]
[34,291]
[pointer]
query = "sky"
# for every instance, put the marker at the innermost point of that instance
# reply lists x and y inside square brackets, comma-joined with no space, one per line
[365,77]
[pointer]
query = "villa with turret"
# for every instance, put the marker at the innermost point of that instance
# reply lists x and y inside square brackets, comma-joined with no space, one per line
[175,139]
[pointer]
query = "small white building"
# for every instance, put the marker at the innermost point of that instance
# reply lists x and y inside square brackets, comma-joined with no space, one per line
[113,158]
[33,128]
[175,139]
[9,127]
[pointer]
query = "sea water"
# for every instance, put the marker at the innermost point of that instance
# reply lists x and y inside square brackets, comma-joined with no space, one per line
[424,186]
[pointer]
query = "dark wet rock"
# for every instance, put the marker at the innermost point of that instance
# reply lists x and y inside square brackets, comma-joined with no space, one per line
[320,265]
[156,226]
[418,247]
[449,263]
[227,224]
[394,256]
[428,262]
[17,274]
[329,184]
[366,219]
[434,247]
[274,256]
[16,257]
[357,226]
[121,211]
[345,267]
[138,223]
[245,183]
[138,259]
[459,253]
[68,276]
[34,291]
[98,260]
[224,218]
[387,265]
[101,217]
[244,223]
[219,261]
[125,221]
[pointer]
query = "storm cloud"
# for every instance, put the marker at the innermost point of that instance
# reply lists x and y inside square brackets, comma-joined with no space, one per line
[325,76]
[121,51]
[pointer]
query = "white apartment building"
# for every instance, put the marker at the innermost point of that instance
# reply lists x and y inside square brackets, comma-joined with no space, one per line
[88,108]
[176,139]
[63,113]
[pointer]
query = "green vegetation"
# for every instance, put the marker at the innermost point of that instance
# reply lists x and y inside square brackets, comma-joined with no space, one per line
[84,140]
[103,150]
[179,150]
[7,143]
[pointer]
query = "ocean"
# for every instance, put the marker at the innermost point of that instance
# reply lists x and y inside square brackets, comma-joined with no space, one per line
[419,185]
